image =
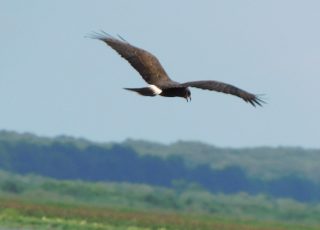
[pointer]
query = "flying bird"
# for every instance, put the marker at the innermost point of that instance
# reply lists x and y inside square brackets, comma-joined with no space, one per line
[159,82]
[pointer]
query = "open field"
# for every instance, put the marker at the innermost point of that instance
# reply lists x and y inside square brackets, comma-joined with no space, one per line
[21,214]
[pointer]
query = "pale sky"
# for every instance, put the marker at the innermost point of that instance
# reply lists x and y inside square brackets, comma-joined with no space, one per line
[54,81]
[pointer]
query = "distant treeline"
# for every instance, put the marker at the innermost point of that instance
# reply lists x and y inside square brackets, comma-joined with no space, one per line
[67,158]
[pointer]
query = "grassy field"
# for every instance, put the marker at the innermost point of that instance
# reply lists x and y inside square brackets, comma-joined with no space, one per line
[32,202]
[21,214]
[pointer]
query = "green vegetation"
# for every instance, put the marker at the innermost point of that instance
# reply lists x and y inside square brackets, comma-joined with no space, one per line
[34,200]
[139,185]
[17,213]
[274,172]
[260,162]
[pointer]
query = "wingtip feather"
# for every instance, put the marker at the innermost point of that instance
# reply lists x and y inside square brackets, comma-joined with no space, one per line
[256,100]
[101,35]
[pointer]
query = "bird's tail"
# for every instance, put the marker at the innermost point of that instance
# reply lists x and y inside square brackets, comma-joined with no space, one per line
[145,91]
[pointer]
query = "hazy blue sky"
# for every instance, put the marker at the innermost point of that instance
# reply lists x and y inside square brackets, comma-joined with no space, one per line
[54,81]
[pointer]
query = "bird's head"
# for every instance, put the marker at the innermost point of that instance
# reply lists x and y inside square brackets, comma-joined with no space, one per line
[187,94]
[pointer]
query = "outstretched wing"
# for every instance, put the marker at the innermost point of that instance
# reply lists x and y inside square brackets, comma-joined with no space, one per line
[225,88]
[144,62]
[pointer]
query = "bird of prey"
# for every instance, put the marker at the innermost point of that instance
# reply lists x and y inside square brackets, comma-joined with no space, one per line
[159,82]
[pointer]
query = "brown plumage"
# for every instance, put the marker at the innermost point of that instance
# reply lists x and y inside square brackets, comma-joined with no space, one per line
[153,73]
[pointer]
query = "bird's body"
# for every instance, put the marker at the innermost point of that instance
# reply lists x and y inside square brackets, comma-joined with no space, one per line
[159,82]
